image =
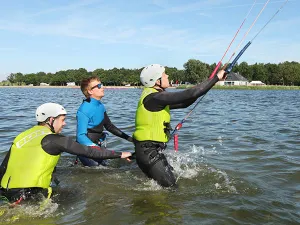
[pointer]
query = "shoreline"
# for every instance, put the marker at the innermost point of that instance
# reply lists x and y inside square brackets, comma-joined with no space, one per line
[109,87]
[217,87]
[77,87]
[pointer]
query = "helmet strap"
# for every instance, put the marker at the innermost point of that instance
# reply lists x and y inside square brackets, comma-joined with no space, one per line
[50,124]
[160,84]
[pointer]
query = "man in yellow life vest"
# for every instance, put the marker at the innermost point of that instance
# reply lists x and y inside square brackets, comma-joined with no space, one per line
[152,121]
[26,170]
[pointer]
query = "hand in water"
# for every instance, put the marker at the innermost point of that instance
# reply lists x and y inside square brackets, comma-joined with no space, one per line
[126,155]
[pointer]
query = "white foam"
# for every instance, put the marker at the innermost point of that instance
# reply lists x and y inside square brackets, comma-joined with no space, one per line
[25,211]
[189,162]
[227,183]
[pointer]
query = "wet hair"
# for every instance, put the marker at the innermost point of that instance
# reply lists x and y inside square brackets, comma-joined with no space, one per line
[85,85]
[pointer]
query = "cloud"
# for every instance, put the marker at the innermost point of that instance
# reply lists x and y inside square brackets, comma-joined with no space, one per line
[104,24]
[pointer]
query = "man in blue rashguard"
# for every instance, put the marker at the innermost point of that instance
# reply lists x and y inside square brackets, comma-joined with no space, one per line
[92,119]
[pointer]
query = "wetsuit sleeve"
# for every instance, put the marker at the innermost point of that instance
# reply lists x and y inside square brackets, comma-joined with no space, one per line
[185,104]
[55,144]
[4,165]
[158,101]
[109,126]
[82,126]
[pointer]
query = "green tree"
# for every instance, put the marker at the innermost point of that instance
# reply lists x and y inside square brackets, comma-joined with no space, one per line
[245,70]
[42,78]
[31,78]
[11,78]
[286,73]
[19,78]
[273,74]
[260,72]
[81,74]
[59,78]
[290,73]
[196,71]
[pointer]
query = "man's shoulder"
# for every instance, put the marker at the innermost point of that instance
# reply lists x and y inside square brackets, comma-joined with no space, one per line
[53,137]
[86,108]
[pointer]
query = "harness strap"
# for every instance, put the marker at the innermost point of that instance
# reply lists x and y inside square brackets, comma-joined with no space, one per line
[49,192]
[17,202]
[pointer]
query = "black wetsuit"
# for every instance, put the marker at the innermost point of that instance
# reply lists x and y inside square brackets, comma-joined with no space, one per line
[55,144]
[149,154]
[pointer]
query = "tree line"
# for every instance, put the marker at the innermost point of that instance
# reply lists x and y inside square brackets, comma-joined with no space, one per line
[194,71]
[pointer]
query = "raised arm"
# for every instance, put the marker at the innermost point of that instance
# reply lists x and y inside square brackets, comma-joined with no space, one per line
[180,99]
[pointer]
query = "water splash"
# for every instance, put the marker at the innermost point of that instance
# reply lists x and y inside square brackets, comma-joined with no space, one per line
[188,163]
[192,164]
[44,209]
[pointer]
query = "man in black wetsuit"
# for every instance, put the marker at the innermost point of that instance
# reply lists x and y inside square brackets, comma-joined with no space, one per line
[29,164]
[152,120]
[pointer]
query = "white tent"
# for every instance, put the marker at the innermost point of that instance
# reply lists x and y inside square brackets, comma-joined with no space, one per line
[256,83]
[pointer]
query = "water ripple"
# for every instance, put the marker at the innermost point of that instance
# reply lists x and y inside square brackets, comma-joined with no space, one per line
[238,161]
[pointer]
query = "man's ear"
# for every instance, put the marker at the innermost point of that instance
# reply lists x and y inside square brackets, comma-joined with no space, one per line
[158,82]
[90,92]
[51,119]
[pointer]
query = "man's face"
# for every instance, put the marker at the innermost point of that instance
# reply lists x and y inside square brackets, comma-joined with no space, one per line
[165,81]
[59,123]
[95,90]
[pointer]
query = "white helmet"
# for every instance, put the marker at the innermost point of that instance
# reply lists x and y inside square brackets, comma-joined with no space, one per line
[43,112]
[150,74]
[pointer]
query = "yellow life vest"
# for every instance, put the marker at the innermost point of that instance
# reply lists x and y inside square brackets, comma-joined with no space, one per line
[151,126]
[29,165]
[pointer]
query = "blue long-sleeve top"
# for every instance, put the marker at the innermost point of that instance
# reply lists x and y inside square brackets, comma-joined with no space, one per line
[92,119]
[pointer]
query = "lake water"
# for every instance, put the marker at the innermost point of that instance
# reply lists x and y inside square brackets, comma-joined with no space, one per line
[238,162]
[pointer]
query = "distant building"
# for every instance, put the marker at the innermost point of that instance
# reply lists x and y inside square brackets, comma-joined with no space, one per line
[71,84]
[257,83]
[44,84]
[234,79]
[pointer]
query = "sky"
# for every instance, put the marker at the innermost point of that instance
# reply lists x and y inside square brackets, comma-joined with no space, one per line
[54,35]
